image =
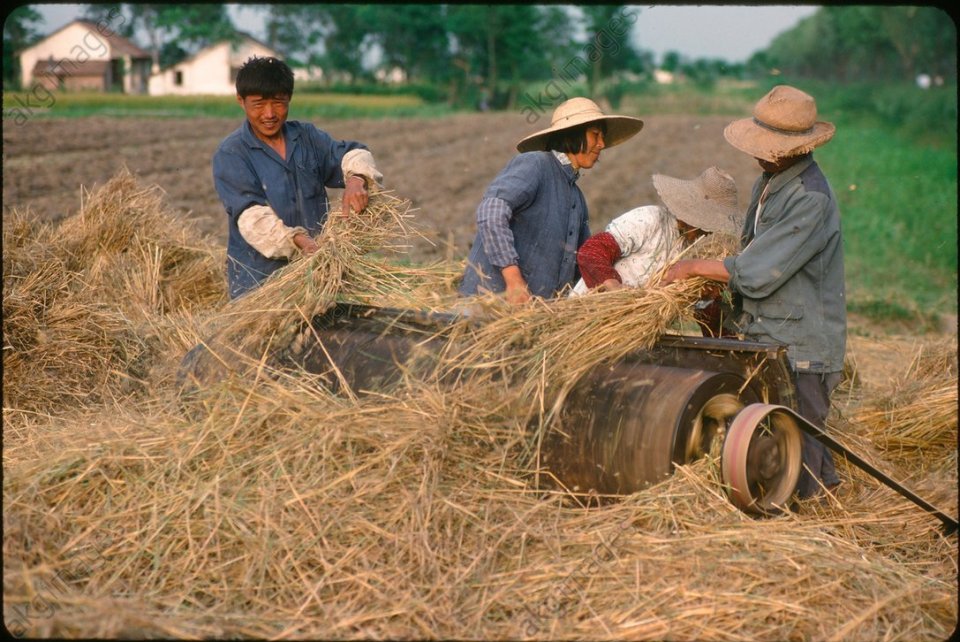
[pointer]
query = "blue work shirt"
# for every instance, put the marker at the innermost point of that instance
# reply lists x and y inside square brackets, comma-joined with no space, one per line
[548,220]
[247,172]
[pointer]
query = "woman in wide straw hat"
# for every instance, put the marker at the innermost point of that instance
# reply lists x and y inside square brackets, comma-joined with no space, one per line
[788,277]
[533,216]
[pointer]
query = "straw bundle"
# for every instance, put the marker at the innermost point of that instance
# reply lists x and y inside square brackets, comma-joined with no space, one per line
[27,243]
[123,226]
[84,301]
[713,246]
[543,349]
[310,285]
[917,417]
[61,344]
[68,353]
[275,317]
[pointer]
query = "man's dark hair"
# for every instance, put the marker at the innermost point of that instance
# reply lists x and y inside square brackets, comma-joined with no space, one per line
[267,77]
[573,140]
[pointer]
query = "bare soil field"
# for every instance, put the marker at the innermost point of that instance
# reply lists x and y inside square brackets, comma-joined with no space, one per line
[441,165]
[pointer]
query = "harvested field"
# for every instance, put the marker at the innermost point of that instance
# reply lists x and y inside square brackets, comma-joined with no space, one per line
[277,508]
[441,165]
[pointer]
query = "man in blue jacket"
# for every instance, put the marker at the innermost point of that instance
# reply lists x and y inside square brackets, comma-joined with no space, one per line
[271,175]
[788,278]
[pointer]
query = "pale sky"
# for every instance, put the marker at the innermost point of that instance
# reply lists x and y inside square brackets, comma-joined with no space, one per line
[729,32]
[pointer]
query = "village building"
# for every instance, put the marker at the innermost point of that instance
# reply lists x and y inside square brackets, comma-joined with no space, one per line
[83,55]
[212,70]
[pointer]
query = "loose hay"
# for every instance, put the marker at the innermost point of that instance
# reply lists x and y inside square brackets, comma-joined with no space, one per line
[283,510]
[290,512]
[84,302]
[916,418]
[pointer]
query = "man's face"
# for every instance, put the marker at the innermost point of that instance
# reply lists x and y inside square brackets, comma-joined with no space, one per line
[772,167]
[265,114]
[688,232]
[591,152]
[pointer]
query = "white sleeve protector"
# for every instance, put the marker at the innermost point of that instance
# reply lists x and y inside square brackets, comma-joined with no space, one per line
[359,162]
[262,228]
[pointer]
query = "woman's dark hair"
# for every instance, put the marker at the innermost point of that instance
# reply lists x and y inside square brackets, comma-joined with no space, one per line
[573,140]
[267,77]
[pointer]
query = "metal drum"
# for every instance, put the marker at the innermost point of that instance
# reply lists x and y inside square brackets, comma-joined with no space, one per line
[624,427]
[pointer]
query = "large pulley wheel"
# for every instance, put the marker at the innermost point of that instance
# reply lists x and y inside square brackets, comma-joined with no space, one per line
[761,459]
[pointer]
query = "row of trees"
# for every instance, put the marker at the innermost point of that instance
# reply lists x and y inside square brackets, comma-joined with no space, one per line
[495,52]
[872,42]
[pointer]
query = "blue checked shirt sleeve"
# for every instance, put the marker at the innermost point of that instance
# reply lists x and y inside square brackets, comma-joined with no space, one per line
[493,223]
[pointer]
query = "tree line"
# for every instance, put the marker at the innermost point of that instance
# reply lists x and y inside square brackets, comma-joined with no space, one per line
[857,43]
[491,55]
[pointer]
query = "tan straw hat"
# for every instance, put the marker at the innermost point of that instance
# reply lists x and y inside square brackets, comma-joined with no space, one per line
[784,124]
[578,111]
[708,202]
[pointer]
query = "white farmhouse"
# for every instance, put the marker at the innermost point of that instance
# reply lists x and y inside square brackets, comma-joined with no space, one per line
[663,77]
[85,55]
[212,70]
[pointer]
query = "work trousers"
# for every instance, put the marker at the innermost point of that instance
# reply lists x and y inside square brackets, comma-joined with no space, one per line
[813,403]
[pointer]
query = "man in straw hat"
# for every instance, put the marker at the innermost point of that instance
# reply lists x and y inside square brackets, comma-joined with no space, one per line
[271,176]
[533,216]
[787,279]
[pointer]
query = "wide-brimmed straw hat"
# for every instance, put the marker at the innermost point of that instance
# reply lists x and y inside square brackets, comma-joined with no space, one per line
[784,124]
[577,111]
[708,202]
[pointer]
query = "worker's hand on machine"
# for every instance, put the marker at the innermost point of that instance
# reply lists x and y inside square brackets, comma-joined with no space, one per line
[355,195]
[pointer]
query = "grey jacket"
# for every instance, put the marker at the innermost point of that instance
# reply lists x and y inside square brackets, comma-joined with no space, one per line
[788,278]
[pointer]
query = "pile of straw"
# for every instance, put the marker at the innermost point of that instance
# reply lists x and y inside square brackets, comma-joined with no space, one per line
[86,302]
[280,509]
[291,512]
[915,419]
[125,239]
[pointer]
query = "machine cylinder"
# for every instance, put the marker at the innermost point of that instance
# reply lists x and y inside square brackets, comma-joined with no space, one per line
[624,427]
